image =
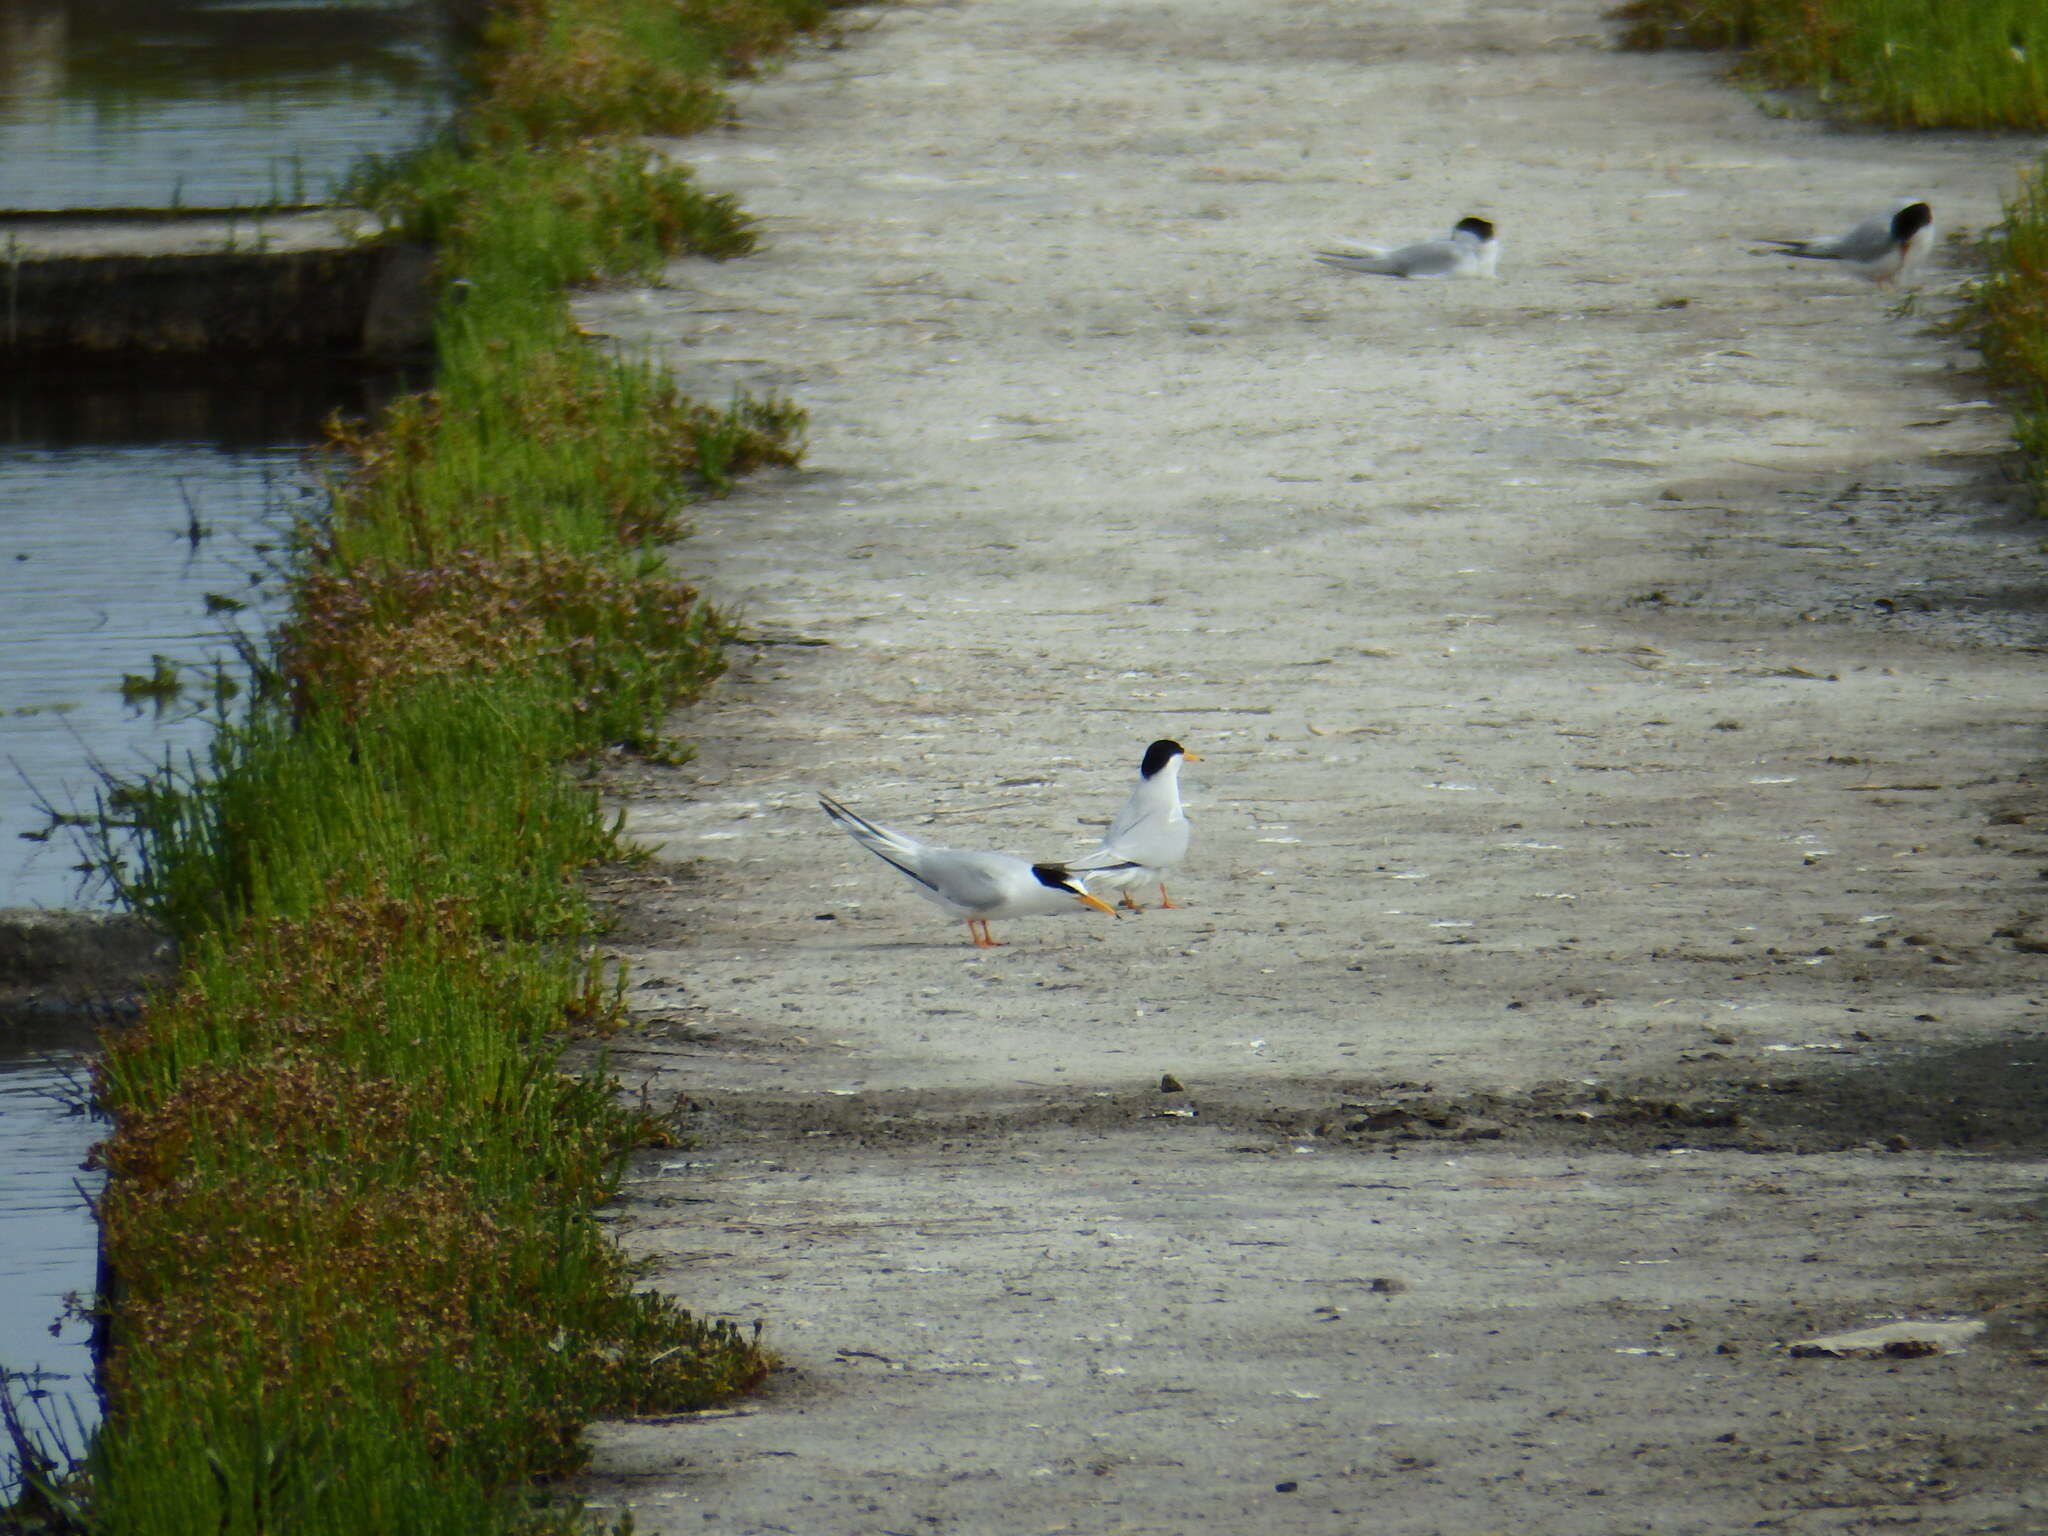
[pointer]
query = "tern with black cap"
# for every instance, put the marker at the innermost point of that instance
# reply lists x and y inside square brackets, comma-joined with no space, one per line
[1878,249]
[973,886]
[1149,836]
[1470,250]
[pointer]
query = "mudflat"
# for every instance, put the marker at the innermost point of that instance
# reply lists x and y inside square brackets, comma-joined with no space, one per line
[1613,944]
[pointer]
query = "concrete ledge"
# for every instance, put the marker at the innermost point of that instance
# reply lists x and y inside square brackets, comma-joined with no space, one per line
[62,963]
[207,282]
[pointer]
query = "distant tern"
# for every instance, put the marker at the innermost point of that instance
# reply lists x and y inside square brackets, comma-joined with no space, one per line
[1149,835]
[1876,250]
[973,886]
[1469,250]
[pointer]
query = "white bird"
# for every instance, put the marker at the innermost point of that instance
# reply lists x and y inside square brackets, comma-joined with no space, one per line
[1469,250]
[974,886]
[1879,248]
[1149,835]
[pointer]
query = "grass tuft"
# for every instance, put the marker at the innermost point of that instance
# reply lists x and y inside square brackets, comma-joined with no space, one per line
[2014,300]
[449,789]
[1897,63]
[572,69]
[531,218]
[616,644]
[373,1092]
[536,439]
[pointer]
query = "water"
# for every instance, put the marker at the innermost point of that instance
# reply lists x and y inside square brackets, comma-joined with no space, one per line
[109,558]
[50,1249]
[210,103]
[79,614]
[134,516]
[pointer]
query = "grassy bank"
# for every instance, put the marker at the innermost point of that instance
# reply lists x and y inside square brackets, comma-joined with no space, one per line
[2015,306]
[1912,64]
[350,1192]
[1898,63]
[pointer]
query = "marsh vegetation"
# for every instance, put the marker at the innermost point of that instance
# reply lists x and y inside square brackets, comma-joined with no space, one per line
[359,1286]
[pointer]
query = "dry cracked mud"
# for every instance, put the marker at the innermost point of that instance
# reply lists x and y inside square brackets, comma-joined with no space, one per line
[1614,939]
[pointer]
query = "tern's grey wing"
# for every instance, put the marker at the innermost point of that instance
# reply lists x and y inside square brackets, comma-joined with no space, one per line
[1136,837]
[868,833]
[899,848]
[1132,814]
[1430,258]
[1103,861]
[1157,840]
[976,881]
[1374,261]
[1866,242]
[1122,843]
[1426,258]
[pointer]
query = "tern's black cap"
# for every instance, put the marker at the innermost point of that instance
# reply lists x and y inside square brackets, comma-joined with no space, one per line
[1910,220]
[1058,876]
[1479,227]
[1158,755]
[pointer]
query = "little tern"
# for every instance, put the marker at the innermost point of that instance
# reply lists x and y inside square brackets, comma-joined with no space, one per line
[973,886]
[1149,835]
[1469,250]
[1879,248]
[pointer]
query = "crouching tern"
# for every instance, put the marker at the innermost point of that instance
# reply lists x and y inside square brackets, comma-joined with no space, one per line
[1149,835]
[973,886]
[1469,250]
[1879,248]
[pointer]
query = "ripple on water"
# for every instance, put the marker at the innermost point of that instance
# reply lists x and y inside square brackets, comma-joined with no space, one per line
[209,103]
[97,576]
[48,1242]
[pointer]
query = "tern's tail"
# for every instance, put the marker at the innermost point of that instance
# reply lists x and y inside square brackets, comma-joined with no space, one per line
[1804,248]
[881,840]
[1364,259]
[1101,862]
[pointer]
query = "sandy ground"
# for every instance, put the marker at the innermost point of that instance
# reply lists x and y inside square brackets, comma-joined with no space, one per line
[1612,947]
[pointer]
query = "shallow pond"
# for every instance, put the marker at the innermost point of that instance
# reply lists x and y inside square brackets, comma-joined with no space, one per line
[208,103]
[50,1250]
[113,554]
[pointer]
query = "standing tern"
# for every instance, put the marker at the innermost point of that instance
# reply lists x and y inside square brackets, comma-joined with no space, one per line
[1469,250]
[974,886]
[1876,250]
[1149,835]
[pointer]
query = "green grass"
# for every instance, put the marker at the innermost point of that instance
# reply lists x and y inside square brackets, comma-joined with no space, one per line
[571,69]
[530,218]
[409,1310]
[610,644]
[448,788]
[534,437]
[2015,309]
[349,1206]
[1897,63]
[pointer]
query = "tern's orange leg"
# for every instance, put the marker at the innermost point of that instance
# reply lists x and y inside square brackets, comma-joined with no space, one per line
[1164,900]
[1127,902]
[982,938]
